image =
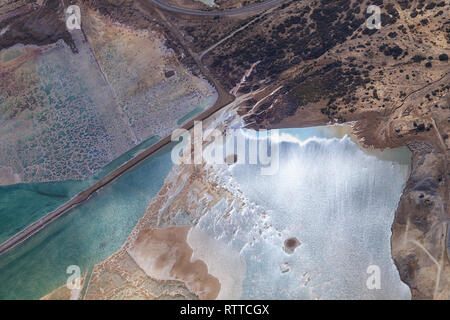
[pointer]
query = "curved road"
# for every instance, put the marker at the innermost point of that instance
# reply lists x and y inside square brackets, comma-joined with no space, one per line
[249,9]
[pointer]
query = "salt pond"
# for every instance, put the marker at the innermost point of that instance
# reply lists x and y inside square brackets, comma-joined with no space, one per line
[24,203]
[339,201]
[85,235]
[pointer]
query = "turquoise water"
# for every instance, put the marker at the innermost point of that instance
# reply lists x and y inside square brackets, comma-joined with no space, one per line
[189,115]
[196,111]
[346,191]
[22,204]
[84,236]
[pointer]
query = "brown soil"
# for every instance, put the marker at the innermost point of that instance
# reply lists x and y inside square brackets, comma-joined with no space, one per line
[40,26]
[163,253]
[291,244]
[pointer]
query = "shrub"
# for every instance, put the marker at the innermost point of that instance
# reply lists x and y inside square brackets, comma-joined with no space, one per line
[443,57]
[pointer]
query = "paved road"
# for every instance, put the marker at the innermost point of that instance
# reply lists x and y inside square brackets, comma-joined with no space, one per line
[230,12]
[224,99]
[86,194]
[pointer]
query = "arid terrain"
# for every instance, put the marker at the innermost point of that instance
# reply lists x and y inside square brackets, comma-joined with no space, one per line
[299,64]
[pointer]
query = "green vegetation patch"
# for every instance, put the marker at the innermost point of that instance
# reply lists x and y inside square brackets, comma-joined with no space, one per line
[11,54]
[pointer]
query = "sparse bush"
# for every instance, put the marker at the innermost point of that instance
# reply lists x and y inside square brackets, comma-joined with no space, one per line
[418,58]
[443,57]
